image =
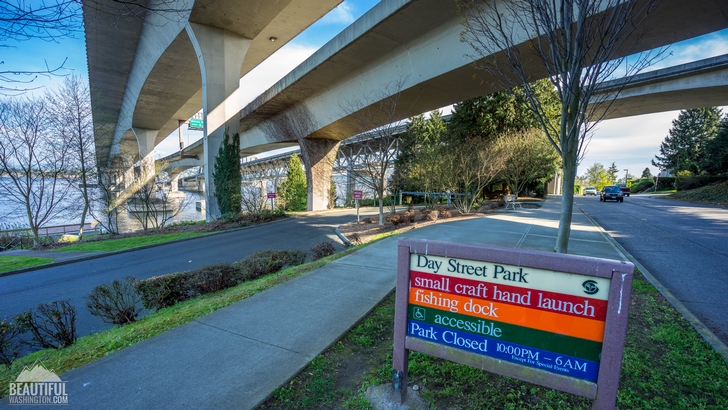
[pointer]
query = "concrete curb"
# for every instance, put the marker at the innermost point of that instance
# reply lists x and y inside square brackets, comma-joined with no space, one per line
[138,248]
[698,325]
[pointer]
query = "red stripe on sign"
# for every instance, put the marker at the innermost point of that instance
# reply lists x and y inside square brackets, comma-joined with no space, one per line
[532,298]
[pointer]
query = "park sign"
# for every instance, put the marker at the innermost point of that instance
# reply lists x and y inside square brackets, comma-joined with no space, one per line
[552,319]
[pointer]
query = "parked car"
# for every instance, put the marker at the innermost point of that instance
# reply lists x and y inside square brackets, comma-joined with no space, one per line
[611,192]
[590,190]
[625,189]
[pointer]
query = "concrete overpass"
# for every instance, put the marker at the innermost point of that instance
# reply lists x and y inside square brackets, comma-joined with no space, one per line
[418,42]
[155,63]
[698,84]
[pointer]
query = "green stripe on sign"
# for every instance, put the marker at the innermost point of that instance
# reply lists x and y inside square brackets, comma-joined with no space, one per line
[553,342]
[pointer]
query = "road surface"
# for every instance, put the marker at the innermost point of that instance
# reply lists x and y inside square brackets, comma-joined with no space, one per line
[684,245]
[74,281]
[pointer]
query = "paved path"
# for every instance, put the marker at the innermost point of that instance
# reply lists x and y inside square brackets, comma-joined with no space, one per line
[684,245]
[236,356]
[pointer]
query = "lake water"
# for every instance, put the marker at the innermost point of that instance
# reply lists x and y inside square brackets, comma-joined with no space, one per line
[12,214]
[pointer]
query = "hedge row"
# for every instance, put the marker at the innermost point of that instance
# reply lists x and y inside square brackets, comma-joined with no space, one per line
[166,290]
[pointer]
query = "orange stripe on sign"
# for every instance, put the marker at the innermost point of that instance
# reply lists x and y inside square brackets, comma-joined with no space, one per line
[582,328]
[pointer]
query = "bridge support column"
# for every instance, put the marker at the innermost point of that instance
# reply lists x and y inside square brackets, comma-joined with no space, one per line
[145,139]
[318,157]
[220,54]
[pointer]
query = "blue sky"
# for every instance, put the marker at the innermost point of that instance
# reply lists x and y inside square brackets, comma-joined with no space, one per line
[629,142]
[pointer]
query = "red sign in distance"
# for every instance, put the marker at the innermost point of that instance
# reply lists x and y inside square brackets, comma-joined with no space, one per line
[357,195]
[271,194]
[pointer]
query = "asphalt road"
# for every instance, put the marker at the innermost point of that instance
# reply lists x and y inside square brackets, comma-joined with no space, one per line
[74,281]
[684,245]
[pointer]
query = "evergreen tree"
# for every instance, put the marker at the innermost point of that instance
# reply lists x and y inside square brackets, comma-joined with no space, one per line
[503,112]
[417,166]
[612,173]
[685,146]
[647,173]
[715,160]
[227,175]
[293,189]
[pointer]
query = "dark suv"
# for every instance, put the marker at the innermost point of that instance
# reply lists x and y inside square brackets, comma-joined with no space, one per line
[611,192]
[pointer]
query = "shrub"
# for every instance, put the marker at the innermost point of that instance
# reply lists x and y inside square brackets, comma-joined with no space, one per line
[443,213]
[295,257]
[116,302]
[264,262]
[210,279]
[642,184]
[321,250]
[395,220]
[409,216]
[161,291]
[368,220]
[51,325]
[429,215]
[8,342]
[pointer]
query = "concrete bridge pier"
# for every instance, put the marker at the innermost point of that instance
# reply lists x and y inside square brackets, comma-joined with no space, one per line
[145,139]
[318,156]
[220,54]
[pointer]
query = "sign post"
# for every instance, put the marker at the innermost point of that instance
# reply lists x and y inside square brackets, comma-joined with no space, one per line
[357,197]
[272,196]
[552,319]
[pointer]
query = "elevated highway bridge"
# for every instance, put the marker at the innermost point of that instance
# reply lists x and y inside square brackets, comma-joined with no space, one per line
[417,42]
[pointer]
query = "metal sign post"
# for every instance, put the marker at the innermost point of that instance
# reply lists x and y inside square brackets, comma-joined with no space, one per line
[357,197]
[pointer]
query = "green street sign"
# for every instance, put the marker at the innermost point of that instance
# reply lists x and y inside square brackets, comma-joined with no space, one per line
[196,124]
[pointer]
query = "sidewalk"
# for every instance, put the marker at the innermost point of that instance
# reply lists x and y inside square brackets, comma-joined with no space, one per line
[235,357]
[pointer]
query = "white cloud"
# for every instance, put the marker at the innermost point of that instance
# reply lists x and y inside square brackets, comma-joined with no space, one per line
[342,14]
[631,142]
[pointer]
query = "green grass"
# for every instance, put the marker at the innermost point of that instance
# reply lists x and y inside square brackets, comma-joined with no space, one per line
[111,245]
[714,193]
[9,263]
[666,365]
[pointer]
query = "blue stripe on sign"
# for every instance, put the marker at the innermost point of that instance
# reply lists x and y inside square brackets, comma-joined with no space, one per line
[511,352]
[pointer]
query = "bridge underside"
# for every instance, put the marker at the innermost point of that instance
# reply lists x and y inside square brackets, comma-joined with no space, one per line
[417,45]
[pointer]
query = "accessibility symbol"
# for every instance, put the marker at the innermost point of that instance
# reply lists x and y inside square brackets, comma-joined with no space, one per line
[419,313]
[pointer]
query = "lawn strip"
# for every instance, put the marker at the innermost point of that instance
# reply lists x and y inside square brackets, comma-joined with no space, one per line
[666,365]
[10,263]
[111,245]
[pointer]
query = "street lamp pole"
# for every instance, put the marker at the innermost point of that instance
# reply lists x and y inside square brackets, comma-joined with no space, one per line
[626,172]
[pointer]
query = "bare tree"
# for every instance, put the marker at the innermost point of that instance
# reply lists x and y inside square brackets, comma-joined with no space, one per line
[252,197]
[375,157]
[34,162]
[576,44]
[470,165]
[70,109]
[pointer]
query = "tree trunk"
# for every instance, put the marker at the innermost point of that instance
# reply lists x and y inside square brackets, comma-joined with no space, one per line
[567,204]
